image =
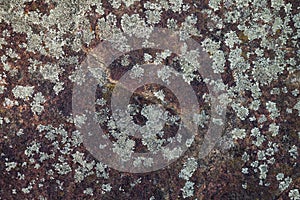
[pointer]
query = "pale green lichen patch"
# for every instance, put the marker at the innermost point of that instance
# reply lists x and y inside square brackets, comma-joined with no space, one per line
[36,105]
[188,189]
[294,194]
[297,107]
[188,169]
[238,133]
[50,72]
[23,92]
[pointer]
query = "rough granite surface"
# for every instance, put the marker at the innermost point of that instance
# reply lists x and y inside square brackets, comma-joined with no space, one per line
[253,46]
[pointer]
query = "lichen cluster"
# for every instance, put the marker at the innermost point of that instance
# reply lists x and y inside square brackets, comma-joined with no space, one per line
[253,45]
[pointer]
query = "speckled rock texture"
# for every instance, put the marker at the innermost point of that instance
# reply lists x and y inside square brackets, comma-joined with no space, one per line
[252,45]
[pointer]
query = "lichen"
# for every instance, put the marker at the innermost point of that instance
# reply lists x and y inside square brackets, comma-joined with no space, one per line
[253,45]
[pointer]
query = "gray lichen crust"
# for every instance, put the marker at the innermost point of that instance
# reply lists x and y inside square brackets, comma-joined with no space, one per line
[253,45]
